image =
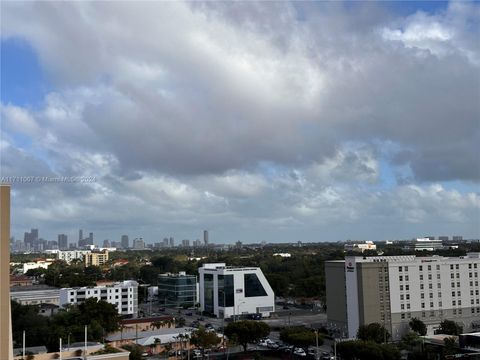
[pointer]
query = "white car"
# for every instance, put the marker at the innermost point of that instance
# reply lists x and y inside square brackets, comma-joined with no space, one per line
[299,352]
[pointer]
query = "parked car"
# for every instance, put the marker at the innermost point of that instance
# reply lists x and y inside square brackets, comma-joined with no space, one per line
[299,352]
[189,314]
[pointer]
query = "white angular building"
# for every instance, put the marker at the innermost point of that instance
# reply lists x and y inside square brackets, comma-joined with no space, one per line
[228,291]
[69,255]
[124,295]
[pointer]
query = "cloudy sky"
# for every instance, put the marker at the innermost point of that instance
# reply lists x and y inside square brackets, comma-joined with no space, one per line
[272,121]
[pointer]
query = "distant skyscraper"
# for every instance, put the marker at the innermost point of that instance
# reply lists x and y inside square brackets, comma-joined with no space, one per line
[138,244]
[165,242]
[172,242]
[186,243]
[80,236]
[125,243]
[62,242]
[90,239]
[205,237]
[106,243]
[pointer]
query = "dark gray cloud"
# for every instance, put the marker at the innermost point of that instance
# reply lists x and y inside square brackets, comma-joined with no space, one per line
[272,114]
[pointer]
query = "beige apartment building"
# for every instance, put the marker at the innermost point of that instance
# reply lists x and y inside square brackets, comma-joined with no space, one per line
[391,290]
[96,258]
[6,350]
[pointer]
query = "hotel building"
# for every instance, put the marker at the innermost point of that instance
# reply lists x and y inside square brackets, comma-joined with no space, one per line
[391,290]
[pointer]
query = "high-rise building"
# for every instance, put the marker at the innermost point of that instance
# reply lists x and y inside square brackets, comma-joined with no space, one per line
[106,243]
[70,255]
[6,350]
[125,242]
[172,242]
[62,242]
[90,239]
[227,291]
[165,242]
[185,243]
[138,244]
[391,290]
[205,237]
[80,236]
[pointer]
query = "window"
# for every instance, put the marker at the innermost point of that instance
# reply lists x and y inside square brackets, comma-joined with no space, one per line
[225,290]
[439,285]
[431,304]
[401,296]
[452,275]
[430,286]
[440,304]
[451,266]
[429,267]
[475,266]
[429,276]
[453,293]
[454,303]
[458,275]
[420,268]
[459,302]
[408,296]
[457,266]
[401,287]
[469,266]
[407,287]
[400,268]
[458,284]
[423,305]
[402,316]
[421,286]
[253,286]
[400,278]
[406,268]
[421,276]
[453,284]
[471,283]
[422,296]
[406,277]
[459,293]
[438,267]
[431,296]
[402,306]
[439,294]
[438,276]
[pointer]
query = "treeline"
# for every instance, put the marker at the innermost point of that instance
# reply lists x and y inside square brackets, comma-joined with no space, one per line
[99,316]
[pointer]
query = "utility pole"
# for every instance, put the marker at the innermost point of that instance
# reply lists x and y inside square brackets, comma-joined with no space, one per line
[85,347]
[23,345]
[60,348]
[317,355]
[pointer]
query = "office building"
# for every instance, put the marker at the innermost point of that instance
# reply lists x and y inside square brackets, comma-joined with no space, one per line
[37,264]
[391,290]
[62,242]
[96,258]
[205,237]
[106,243]
[80,236]
[172,242]
[125,242]
[138,244]
[185,243]
[426,243]
[177,290]
[70,255]
[228,291]
[124,295]
[6,349]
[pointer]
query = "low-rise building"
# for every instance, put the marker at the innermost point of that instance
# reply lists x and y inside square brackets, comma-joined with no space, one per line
[428,244]
[177,290]
[360,247]
[124,295]
[37,264]
[36,297]
[229,291]
[20,280]
[70,255]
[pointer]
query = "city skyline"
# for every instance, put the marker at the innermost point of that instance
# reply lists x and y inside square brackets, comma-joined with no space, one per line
[276,122]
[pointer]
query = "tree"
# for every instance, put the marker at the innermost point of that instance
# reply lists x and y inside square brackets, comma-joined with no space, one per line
[449,327]
[299,336]
[373,332]
[247,331]
[367,350]
[136,351]
[418,326]
[204,339]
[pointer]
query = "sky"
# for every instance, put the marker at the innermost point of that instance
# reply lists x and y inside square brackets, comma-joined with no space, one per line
[259,121]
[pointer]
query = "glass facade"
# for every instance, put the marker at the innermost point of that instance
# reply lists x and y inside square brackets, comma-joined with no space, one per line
[208,292]
[177,290]
[253,286]
[225,290]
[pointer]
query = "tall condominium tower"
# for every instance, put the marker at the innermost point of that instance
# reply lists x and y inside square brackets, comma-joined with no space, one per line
[6,351]
[62,242]
[205,237]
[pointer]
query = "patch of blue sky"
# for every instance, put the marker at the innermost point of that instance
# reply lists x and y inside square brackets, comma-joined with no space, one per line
[23,81]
